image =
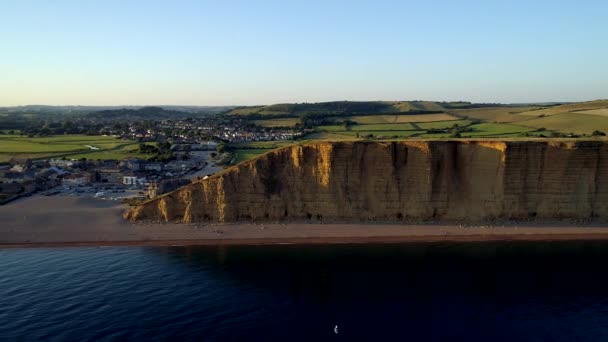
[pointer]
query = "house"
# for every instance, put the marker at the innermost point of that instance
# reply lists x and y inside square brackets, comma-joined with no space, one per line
[63,163]
[17,168]
[75,179]
[23,164]
[109,175]
[48,178]
[133,164]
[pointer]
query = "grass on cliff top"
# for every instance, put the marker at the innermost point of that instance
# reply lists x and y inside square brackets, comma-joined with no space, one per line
[262,144]
[243,155]
[251,149]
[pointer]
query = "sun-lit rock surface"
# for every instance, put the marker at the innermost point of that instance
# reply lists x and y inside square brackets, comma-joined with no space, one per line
[393,181]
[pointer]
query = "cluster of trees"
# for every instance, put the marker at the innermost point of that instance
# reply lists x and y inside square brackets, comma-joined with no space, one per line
[311,120]
[149,149]
[163,151]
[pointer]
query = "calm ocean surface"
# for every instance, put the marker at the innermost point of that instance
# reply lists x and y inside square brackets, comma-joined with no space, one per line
[507,291]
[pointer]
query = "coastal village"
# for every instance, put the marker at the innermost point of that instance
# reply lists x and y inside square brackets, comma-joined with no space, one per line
[186,150]
[130,178]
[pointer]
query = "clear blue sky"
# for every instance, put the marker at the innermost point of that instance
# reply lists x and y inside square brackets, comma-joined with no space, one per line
[260,52]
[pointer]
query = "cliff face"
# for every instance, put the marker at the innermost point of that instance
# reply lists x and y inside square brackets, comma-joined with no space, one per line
[440,180]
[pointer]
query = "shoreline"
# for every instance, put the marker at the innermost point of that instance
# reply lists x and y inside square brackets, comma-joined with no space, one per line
[48,222]
[313,241]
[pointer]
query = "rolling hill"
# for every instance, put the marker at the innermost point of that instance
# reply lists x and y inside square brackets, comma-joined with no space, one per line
[346,108]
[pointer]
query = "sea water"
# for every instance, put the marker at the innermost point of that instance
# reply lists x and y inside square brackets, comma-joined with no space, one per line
[491,291]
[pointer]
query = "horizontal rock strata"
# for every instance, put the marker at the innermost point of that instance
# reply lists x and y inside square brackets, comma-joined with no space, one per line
[393,181]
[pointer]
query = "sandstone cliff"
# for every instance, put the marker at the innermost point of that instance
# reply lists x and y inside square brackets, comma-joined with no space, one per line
[391,181]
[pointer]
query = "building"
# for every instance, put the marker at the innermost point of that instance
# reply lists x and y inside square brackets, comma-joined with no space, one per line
[63,163]
[17,168]
[23,163]
[133,164]
[109,175]
[76,179]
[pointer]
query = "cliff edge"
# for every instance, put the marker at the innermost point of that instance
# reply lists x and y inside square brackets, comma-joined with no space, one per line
[393,181]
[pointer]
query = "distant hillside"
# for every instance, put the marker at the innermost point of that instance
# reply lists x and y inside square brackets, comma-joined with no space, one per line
[144,113]
[43,110]
[346,108]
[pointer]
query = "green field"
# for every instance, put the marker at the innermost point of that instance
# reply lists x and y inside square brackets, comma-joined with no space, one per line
[567,108]
[570,123]
[400,118]
[328,136]
[372,127]
[381,134]
[411,130]
[494,129]
[251,149]
[261,144]
[500,114]
[69,146]
[243,155]
[443,124]
[283,122]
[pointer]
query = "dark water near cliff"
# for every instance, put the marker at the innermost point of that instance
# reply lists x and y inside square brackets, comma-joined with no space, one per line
[533,291]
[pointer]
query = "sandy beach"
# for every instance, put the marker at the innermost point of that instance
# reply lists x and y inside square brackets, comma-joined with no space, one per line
[78,221]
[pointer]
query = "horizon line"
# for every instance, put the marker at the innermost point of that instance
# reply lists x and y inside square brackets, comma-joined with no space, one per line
[296,102]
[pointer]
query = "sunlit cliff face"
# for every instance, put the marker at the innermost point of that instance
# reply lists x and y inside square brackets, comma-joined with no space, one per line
[394,181]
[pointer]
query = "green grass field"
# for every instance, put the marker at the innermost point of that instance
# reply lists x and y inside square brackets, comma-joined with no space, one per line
[567,108]
[364,134]
[251,149]
[71,146]
[372,127]
[261,144]
[500,114]
[328,136]
[243,155]
[570,123]
[494,129]
[443,124]
[400,118]
[284,122]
